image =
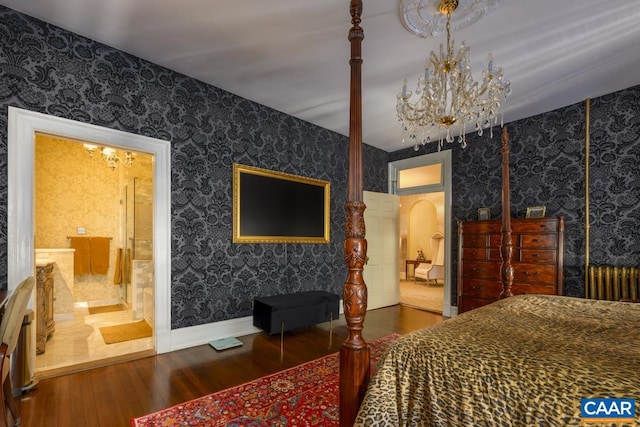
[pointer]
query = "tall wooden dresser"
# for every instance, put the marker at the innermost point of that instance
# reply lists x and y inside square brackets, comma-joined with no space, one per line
[538,256]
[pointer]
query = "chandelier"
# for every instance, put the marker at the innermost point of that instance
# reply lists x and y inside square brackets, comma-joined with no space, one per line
[448,97]
[99,153]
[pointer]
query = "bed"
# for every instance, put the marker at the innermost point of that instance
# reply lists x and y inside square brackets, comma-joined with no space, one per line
[521,361]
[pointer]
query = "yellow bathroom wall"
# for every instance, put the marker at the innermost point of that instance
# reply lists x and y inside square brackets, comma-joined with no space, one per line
[72,191]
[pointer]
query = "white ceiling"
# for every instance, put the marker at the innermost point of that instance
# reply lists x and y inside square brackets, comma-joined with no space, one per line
[293,55]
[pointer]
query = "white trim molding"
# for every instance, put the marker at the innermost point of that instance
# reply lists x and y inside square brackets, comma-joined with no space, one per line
[442,157]
[23,125]
[202,334]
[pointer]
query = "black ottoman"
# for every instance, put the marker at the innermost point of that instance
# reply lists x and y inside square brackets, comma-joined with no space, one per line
[281,313]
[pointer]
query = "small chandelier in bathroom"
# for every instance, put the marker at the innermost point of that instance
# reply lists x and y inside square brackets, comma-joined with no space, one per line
[109,155]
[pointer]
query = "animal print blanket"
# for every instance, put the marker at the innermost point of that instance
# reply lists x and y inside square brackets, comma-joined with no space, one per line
[527,360]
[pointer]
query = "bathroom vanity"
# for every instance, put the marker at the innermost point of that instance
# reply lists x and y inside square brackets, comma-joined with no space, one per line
[44,304]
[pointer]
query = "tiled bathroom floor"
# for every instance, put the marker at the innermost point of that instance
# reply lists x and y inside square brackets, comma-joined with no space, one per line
[78,343]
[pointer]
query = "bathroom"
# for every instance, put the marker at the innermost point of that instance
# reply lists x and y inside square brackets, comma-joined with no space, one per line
[80,198]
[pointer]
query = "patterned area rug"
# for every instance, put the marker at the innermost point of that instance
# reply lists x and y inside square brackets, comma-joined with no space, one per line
[305,395]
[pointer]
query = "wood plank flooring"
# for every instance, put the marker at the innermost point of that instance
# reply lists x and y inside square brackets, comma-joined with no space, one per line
[111,396]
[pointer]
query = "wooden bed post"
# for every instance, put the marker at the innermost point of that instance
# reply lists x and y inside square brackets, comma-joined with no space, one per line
[354,353]
[506,247]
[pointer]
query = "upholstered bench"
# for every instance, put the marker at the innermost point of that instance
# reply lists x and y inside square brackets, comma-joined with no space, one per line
[281,313]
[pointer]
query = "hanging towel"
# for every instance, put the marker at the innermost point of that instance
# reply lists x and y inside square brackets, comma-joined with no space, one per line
[81,256]
[122,274]
[100,255]
[117,273]
[126,267]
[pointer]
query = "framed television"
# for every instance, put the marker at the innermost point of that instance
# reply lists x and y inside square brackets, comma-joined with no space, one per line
[277,207]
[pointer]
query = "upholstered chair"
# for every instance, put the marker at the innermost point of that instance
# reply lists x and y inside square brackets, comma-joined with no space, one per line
[435,269]
[9,331]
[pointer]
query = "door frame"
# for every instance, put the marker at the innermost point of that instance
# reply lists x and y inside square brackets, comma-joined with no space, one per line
[22,126]
[444,159]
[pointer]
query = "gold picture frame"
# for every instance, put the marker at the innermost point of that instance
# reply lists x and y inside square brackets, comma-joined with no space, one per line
[536,211]
[277,207]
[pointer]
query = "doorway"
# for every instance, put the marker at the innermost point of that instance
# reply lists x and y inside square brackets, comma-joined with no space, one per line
[23,126]
[424,183]
[85,223]
[421,222]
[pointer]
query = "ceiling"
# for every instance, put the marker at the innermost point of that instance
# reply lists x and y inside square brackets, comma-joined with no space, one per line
[293,55]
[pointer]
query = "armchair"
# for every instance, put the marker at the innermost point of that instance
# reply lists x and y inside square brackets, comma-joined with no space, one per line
[435,269]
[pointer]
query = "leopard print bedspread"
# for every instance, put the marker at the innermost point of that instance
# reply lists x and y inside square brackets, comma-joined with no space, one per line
[522,361]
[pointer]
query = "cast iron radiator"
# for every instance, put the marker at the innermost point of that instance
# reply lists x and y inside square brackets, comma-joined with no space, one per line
[613,283]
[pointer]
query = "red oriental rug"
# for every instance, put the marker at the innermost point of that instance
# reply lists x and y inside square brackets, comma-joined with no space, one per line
[305,395]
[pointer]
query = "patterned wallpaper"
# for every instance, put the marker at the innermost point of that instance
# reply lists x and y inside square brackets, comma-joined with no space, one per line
[46,69]
[547,167]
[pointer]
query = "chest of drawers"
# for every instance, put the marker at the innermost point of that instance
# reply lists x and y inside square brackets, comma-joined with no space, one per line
[538,248]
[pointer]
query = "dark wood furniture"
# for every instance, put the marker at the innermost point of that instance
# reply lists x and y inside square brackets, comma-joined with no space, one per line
[538,247]
[44,303]
[354,354]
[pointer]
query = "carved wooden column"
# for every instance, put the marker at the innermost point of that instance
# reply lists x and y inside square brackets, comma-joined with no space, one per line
[506,247]
[354,354]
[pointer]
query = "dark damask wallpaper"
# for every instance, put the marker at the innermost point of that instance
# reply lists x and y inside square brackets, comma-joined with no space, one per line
[547,167]
[46,69]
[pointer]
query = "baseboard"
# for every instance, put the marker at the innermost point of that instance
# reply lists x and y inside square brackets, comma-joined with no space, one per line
[178,339]
[202,334]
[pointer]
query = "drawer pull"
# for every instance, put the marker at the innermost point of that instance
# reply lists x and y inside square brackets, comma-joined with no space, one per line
[535,273]
[477,270]
[536,255]
[477,288]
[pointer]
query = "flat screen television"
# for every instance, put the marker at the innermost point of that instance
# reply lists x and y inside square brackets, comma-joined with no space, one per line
[277,207]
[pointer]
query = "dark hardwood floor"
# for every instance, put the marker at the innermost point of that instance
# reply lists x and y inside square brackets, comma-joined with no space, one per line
[111,396]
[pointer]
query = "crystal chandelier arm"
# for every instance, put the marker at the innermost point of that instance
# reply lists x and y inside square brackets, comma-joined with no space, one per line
[447,94]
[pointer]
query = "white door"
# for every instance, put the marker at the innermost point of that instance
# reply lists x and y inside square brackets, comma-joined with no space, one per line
[381,270]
